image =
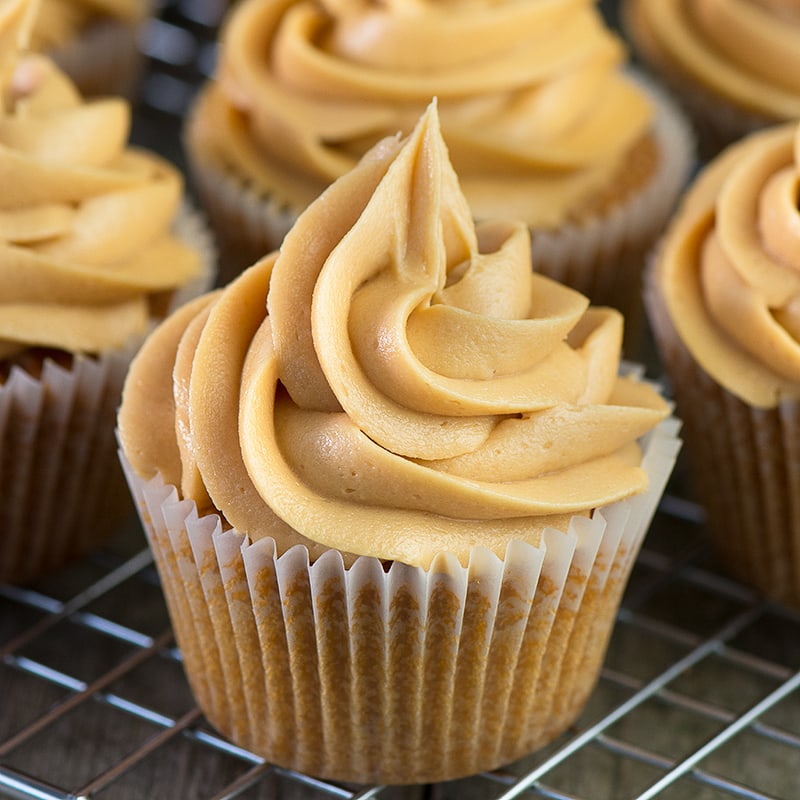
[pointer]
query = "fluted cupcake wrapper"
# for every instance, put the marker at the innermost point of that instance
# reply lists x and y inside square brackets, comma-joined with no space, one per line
[745,467]
[60,482]
[391,673]
[717,122]
[248,225]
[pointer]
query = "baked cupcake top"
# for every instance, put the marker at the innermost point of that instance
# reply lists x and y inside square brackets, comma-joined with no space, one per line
[534,106]
[59,21]
[395,382]
[747,51]
[86,246]
[729,268]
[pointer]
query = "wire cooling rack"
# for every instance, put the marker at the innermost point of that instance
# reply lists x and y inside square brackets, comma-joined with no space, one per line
[697,700]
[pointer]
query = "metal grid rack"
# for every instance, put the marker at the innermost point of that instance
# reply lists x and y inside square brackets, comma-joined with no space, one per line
[697,700]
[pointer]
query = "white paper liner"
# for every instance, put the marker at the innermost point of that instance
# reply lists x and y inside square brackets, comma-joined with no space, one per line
[104,59]
[62,488]
[745,467]
[397,674]
[247,225]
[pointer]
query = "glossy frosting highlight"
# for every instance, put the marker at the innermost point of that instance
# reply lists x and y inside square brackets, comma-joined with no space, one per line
[394,382]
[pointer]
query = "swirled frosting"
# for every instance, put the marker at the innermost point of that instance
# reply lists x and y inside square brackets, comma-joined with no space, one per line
[729,268]
[86,246]
[395,382]
[747,51]
[536,112]
[59,21]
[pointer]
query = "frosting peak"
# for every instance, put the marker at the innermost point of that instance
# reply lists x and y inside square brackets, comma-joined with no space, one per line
[411,386]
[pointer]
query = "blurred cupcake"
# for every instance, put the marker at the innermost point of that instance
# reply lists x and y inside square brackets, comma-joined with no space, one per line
[734,64]
[541,121]
[96,42]
[393,483]
[724,300]
[94,247]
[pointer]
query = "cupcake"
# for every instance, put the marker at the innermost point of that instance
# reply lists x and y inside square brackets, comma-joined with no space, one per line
[94,248]
[94,41]
[542,123]
[723,300]
[734,64]
[393,482]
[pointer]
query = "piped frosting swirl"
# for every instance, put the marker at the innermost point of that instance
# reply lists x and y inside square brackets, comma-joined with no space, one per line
[395,382]
[305,87]
[747,51]
[729,269]
[86,244]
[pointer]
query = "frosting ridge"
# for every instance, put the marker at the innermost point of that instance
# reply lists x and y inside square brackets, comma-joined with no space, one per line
[325,406]
[86,245]
[306,87]
[746,50]
[730,271]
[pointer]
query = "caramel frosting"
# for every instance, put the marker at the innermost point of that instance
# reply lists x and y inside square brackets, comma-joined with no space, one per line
[747,51]
[59,21]
[86,245]
[729,268]
[394,382]
[534,106]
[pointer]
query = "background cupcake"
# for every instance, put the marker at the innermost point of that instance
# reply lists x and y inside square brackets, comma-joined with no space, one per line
[734,64]
[542,124]
[723,300]
[369,550]
[94,247]
[94,41]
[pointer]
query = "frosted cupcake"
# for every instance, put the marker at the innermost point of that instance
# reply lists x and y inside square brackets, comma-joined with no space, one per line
[724,304]
[542,124]
[94,248]
[734,64]
[94,41]
[393,483]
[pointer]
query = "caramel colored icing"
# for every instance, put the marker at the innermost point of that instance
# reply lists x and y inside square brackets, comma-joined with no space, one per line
[85,222]
[59,21]
[393,383]
[729,269]
[747,51]
[535,109]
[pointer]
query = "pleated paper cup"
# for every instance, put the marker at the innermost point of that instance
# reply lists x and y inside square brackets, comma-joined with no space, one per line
[62,489]
[745,466]
[391,673]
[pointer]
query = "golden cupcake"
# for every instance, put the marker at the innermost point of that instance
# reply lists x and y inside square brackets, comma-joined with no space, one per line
[94,247]
[393,482]
[94,41]
[734,64]
[542,121]
[724,299]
